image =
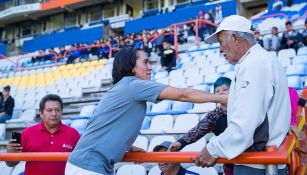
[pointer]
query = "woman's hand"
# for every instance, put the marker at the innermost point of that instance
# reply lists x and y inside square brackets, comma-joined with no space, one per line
[136,149]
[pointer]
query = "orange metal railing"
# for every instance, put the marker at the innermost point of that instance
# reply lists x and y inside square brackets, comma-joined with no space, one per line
[285,154]
[57,4]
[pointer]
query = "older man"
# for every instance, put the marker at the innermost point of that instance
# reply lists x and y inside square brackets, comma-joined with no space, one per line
[48,136]
[258,102]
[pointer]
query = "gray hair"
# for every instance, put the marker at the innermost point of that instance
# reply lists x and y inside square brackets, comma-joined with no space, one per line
[244,36]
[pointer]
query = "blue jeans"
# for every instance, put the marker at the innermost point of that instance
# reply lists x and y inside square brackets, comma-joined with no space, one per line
[240,170]
[5,117]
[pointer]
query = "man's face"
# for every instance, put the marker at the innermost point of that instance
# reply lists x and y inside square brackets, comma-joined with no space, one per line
[5,93]
[52,114]
[274,31]
[165,45]
[289,27]
[166,167]
[228,47]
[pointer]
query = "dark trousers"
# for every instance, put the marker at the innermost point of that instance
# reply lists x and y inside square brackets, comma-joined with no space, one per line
[4,118]
[240,170]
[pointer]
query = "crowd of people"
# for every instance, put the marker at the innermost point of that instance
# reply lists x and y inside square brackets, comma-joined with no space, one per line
[291,38]
[148,40]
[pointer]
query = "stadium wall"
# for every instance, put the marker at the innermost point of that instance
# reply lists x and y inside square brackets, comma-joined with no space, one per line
[3,48]
[62,39]
[180,15]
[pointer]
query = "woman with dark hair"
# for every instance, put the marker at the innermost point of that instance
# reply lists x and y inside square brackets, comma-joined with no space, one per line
[119,115]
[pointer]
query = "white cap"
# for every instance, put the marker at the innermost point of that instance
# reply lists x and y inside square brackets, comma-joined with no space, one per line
[232,23]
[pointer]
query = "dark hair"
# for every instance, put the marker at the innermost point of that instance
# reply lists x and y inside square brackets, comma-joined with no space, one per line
[288,22]
[124,62]
[7,88]
[49,97]
[222,81]
[275,28]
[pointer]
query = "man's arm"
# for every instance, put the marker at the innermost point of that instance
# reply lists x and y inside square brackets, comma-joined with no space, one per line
[190,95]
[13,148]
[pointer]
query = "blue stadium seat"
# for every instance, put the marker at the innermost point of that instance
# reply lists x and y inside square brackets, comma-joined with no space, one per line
[302,51]
[79,125]
[296,70]
[295,82]
[160,108]
[180,107]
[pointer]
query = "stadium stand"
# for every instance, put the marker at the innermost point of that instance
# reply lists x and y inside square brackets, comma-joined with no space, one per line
[82,84]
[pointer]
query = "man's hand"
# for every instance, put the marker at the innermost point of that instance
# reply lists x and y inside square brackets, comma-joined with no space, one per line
[204,159]
[136,149]
[13,147]
[175,146]
[294,130]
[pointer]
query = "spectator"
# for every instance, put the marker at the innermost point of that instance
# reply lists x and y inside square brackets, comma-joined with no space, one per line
[278,4]
[211,28]
[272,43]
[258,39]
[84,52]
[252,125]
[218,13]
[74,53]
[291,38]
[182,35]
[168,57]
[112,130]
[39,57]
[50,55]
[6,105]
[304,34]
[170,168]
[48,136]
[190,29]
[146,46]
[214,121]
[103,50]
[202,15]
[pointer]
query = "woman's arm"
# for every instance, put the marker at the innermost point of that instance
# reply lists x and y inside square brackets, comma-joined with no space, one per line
[191,95]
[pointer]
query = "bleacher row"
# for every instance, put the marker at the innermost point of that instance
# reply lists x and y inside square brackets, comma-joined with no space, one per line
[29,86]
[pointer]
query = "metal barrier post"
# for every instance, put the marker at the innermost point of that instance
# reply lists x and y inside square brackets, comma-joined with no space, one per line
[271,169]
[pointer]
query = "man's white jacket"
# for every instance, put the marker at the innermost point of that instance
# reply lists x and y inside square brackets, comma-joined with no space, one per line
[258,109]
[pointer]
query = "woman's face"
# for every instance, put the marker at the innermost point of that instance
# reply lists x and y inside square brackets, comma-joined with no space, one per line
[142,68]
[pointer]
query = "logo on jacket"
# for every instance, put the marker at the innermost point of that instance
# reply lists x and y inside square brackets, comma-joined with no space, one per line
[244,84]
[67,146]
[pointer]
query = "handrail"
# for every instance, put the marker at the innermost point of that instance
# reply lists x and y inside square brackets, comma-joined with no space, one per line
[268,16]
[281,156]
[174,27]
[277,157]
